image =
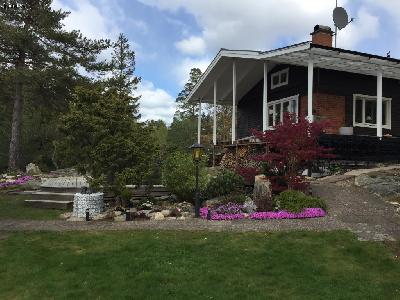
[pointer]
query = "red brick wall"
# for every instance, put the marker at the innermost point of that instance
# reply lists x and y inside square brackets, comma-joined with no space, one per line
[322,38]
[327,107]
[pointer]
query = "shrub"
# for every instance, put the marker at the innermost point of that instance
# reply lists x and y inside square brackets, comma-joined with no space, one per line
[179,176]
[295,201]
[293,146]
[225,183]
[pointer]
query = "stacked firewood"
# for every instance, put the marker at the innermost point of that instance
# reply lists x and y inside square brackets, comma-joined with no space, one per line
[240,156]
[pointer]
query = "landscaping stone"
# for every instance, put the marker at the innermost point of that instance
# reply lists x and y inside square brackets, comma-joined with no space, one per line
[381,184]
[158,216]
[32,169]
[121,218]
[66,215]
[262,193]
[117,213]
[166,212]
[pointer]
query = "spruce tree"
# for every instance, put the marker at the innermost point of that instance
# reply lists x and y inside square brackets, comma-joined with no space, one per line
[34,44]
[123,68]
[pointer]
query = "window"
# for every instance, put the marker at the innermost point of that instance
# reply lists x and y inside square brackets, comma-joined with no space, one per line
[364,111]
[279,78]
[277,109]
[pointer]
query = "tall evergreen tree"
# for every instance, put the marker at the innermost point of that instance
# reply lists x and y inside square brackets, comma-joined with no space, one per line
[184,108]
[123,72]
[34,44]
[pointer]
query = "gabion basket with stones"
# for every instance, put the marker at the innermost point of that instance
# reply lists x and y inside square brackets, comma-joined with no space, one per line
[94,202]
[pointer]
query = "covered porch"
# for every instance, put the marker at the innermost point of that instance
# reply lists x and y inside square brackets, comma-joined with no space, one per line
[232,74]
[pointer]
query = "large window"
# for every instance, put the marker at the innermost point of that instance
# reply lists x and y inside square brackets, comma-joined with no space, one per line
[364,111]
[279,78]
[276,109]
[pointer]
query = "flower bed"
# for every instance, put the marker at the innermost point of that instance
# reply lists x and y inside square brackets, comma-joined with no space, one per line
[19,181]
[306,213]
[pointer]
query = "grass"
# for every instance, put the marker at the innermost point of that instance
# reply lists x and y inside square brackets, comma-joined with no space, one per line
[195,265]
[13,207]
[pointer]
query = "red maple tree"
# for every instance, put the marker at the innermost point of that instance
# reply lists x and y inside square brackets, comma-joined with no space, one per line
[291,147]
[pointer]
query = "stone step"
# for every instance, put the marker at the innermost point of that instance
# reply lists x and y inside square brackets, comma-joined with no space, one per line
[50,204]
[60,189]
[39,195]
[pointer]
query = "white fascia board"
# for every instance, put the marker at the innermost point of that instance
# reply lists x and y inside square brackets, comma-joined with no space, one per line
[222,53]
[204,76]
[287,50]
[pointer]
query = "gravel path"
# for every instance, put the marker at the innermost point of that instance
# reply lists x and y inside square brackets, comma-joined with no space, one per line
[352,208]
[367,215]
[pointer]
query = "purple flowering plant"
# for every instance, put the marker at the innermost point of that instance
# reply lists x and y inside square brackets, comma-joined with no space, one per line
[18,181]
[233,211]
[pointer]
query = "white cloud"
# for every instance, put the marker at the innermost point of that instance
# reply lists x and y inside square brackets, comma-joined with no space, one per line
[155,103]
[89,19]
[251,24]
[182,70]
[193,46]
[365,27]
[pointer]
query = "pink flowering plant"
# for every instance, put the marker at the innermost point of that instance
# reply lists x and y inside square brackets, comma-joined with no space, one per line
[291,205]
[19,181]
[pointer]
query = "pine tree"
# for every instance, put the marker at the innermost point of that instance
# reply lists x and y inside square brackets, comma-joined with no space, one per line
[33,44]
[184,108]
[123,69]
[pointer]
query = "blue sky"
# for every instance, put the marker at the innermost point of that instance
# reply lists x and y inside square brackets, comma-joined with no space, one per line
[172,36]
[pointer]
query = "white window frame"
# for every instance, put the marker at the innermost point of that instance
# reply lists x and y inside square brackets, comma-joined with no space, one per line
[281,101]
[280,83]
[373,98]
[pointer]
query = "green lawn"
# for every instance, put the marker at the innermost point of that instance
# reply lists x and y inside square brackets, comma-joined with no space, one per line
[199,265]
[13,207]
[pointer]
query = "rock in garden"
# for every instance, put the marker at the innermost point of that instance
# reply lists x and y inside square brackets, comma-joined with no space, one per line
[262,193]
[158,216]
[101,216]
[166,212]
[32,169]
[121,218]
[117,213]
[66,215]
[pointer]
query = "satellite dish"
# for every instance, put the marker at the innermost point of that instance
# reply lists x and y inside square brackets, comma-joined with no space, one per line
[340,17]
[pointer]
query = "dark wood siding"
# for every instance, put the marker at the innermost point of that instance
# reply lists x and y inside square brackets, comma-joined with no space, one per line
[325,81]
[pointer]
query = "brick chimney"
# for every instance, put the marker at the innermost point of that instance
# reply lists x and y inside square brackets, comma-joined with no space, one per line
[322,35]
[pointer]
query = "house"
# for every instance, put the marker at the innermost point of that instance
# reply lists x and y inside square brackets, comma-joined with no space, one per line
[360,92]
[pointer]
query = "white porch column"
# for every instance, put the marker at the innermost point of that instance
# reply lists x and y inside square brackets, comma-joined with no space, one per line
[379,105]
[233,101]
[215,115]
[265,98]
[199,124]
[310,91]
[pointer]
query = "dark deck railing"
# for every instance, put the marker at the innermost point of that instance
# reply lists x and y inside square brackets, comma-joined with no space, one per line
[363,148]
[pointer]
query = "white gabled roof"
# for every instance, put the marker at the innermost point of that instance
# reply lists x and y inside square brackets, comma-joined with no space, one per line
[250,67]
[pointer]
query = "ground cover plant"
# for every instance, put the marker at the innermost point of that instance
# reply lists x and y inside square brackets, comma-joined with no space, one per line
[13,207]
[195,265]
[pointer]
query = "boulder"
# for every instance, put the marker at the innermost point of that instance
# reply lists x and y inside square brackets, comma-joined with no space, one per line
[166,212]
[66,215]
[117,213]
[262,193]
[158,216]
[32,169]
[121,218]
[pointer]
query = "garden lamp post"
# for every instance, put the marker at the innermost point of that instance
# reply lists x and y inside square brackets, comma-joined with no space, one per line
[197,151]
